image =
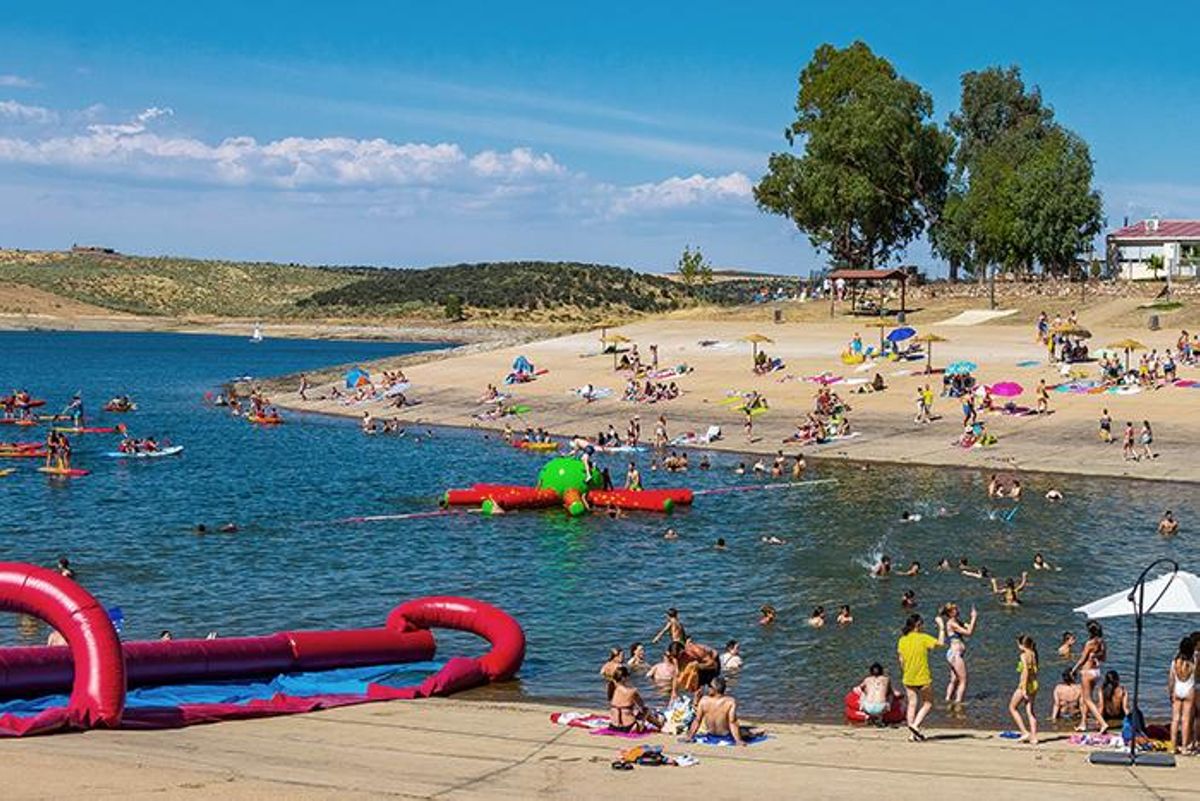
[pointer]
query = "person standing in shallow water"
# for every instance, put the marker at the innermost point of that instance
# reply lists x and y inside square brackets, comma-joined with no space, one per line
[913,650]
[1027,687]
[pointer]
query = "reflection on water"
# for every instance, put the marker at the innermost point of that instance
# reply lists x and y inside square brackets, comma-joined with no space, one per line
[579,586]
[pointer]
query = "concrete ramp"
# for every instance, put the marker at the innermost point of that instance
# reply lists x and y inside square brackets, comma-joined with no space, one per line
[976,316]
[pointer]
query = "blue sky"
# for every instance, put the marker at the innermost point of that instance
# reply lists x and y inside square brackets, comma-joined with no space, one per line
[414,134]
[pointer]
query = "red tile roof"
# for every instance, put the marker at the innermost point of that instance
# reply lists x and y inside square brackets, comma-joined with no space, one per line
[1167,229]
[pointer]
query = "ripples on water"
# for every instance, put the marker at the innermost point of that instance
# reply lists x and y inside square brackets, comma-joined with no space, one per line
[579,586]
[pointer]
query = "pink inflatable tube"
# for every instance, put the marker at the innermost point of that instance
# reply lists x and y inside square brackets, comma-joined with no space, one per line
[96,665]
[855,714]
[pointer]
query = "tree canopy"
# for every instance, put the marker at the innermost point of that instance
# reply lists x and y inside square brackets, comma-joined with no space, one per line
[1021,192]
[874,167]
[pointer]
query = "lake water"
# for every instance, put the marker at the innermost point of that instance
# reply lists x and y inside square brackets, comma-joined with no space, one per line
[578,586]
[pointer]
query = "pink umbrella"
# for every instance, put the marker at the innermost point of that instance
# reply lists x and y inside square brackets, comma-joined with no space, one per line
[1007,389]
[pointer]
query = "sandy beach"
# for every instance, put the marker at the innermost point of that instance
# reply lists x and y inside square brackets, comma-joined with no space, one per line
[465,749]
[1064,441]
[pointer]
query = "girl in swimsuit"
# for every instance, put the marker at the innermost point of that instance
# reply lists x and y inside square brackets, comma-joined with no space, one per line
[1183,695]
[627,711]
[1011,591]
[956,637]
[1088,669]
[1027,687]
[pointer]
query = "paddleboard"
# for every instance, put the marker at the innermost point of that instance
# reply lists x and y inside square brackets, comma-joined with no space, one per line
[90,430]
[264,421]
[22,454]
[74,472]
[7,472]
[169,451]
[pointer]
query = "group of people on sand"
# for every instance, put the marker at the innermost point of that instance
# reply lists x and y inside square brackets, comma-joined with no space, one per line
[650,391]
[688,675]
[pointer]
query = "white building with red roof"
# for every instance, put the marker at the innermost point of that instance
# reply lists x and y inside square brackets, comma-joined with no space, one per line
[1176,242]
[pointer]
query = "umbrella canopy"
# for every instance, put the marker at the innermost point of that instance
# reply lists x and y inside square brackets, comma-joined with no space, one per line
[357,377]
[1127,345]
[901,334]
[1176,593]
[1073,331]
[961,368]
[754,340]
[929,339]
[616,339]
[1006,389]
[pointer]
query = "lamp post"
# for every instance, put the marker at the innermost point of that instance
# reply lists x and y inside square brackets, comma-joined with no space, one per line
[1137,597]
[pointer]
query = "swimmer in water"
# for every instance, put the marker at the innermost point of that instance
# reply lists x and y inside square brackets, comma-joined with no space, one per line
[704,463]
[1066,648]
[773,540]
[944,564]
[884,568]
[908,600]
[1053,495]
[760,466]
[720,544]
[1010,593]
[844,617]
[768,615]
[910,517]
[1040,563]
[817,618]
[980,572]
[671,534]
[740,470]
[913,569]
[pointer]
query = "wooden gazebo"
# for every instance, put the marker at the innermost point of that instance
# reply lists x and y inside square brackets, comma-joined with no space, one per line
[855,277]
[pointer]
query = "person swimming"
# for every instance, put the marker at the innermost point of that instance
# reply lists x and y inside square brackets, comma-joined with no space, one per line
[768,615]
[817,618]
[844,617]
[1010,593]
[908,600]
[884,568]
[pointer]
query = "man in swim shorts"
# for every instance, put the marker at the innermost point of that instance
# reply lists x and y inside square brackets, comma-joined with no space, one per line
[717,715]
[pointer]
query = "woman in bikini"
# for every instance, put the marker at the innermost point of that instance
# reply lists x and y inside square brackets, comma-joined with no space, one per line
[956,650]
[1183,695]
[1010,593]
[1095,651]
[626,710]
[1027,687]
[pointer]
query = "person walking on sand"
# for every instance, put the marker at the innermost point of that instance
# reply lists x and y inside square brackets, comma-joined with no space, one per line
[748,426]
[1043,397]
[1127,440]
[1183,695]
[1106,427]
[913,651]
[1146,439]
[922,407]
[1027,687]
[956,650]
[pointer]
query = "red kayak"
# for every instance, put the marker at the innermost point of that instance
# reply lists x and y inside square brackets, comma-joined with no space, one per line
[12,421]
[23,454]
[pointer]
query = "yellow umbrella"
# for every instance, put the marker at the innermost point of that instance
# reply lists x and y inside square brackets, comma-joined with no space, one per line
[929,339]
[1127,345]
[615,340]
[754,340]
[880,324]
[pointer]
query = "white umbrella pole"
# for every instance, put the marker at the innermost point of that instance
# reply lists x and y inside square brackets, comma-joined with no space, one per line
[1137,597]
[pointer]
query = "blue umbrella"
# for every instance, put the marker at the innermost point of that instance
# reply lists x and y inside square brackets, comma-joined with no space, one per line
[961,368]
[901,334]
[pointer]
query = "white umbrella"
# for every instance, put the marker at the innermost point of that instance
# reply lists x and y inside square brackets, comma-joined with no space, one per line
[1173,593]
[1169,594]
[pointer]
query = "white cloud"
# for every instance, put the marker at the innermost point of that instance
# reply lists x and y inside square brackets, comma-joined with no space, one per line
[16,82]
[676,192]
[401,175]
[12,110]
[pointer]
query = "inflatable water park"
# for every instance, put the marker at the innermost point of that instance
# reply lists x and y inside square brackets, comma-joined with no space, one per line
[568,482]
[98,681]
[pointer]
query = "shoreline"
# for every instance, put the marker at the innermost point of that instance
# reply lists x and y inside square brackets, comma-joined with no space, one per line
[465,748]
[1064,442]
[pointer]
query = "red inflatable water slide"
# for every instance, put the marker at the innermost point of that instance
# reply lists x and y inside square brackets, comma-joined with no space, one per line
[96,667]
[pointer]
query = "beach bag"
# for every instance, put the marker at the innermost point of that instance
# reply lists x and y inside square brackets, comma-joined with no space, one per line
[678,717]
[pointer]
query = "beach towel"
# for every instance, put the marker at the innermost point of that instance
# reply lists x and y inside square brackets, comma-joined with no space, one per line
[669,372]
[595,724]
[1028,363]
[596,394]
[864,367]
[725,739]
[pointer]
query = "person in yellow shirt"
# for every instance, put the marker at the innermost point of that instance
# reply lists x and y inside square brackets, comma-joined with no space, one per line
[913,649]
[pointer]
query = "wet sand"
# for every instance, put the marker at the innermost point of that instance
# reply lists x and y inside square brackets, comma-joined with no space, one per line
[459,749]
[1064,441]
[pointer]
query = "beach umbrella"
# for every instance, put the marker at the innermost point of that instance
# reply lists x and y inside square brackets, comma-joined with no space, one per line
[929,339]
[1175,592]
[880,324]
[755,340]
[1006,389]
[356,377]
[1127,345]
[901,334]
[1076,331]
[615,339]
[961,368]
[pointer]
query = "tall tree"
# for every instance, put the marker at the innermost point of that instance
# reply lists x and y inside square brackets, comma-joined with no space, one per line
[1021,192]
[873,171]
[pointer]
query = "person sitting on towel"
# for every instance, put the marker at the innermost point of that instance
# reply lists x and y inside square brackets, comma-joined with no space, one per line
[627,711]
[716,713]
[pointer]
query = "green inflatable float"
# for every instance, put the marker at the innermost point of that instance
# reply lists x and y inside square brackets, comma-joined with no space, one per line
[566,476]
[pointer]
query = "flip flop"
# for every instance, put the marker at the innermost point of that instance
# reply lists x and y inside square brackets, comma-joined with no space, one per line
[920,738]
